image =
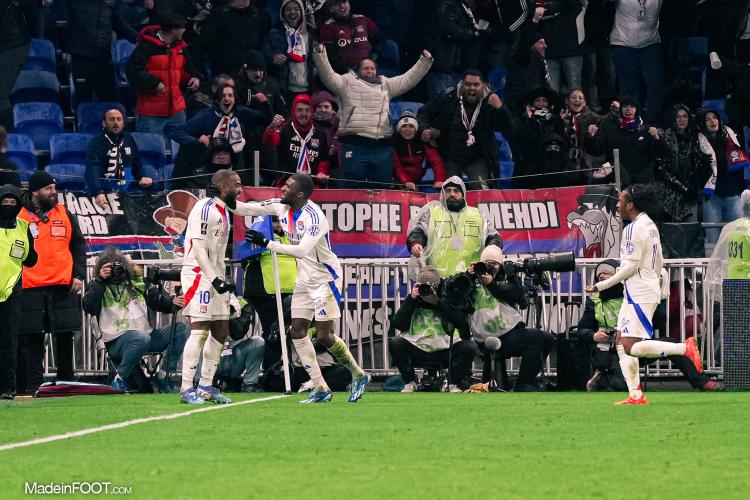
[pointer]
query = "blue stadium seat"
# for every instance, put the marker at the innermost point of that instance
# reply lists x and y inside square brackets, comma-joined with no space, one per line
[389,64]
[69,148]
[398,107]
[38,120]
[496,79]
[70,176]
[153,149]
[173,150]
[41,56]
[21,152]
[89,115]
[35,86]
[121,51]
[506,172]
[166,175]
[718,105]
[505,153]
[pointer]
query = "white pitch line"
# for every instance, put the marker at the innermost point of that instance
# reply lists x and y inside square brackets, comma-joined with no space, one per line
[128,423]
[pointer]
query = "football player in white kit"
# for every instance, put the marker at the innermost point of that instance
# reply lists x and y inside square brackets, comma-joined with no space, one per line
[317,293]
[640,271]
[208,296]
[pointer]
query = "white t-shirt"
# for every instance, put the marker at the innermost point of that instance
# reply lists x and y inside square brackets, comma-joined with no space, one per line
[307,231]
[208,221]
[641,244]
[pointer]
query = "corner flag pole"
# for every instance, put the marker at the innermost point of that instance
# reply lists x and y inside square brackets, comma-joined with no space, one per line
[282,327]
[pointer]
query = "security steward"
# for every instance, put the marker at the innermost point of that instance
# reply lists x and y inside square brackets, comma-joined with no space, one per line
[51,300]
[16,250]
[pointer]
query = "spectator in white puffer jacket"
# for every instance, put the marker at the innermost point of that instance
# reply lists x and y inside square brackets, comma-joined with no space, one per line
[365,129]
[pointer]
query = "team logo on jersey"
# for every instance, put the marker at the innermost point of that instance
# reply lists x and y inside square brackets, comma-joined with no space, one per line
[629,248]
[360,28]
[314,143]
[300,226]
[342,42]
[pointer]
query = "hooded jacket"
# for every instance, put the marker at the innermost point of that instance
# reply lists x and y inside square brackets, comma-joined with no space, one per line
[154,62]
[527,69]
[287,141]
[365,106]
[329,126]
[418,227]
[277,44]
[15,251]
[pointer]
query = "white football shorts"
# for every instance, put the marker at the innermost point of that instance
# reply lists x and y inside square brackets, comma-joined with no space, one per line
[320,302]
[636,320]
[202,301]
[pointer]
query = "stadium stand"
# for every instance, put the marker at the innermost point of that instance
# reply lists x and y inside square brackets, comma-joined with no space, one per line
[21,152]
[153,149]
[389,64]
[69,148]
[69,176]
[38,120]
[35,86]
[41,56]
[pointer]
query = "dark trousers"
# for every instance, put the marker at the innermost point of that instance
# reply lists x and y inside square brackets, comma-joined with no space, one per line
[531,345]
[406,356]
[93,77]
[476,170]
[10,313]
[11,61]
[31,359]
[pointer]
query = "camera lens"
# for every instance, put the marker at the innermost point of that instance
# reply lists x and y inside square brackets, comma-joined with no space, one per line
[481,268]
[118,270]
[424,289]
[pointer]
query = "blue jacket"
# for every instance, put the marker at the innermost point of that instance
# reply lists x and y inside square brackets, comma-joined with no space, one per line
[206,121]
[96,160]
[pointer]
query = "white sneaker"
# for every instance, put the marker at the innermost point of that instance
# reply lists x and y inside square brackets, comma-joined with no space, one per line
[454,388]
[410,387]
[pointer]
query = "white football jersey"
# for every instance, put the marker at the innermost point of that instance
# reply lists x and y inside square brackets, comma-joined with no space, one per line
[641,244]
[208,221]
[307,230]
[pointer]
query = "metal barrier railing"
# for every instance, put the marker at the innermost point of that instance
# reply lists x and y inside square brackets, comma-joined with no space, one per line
[374,288]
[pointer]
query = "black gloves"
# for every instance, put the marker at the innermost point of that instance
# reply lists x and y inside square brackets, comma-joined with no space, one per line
[222,286]
[256,238]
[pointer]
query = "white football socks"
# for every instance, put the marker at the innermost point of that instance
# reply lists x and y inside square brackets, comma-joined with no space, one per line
[657,349]
[306,353]
[343,354]
[191,354]
[631,373]
[211,357]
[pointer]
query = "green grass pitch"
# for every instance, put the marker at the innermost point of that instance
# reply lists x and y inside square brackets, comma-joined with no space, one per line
[453,446]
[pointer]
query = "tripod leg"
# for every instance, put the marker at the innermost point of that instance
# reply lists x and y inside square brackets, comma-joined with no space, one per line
[450,361]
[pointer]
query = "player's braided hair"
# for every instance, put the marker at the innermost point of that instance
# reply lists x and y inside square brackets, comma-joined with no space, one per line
[645,198]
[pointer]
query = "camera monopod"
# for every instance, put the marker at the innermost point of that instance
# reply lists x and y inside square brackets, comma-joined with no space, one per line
[450,361]
[282,327]
[172,328]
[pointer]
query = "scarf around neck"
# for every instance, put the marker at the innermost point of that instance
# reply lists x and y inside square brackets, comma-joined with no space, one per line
[115,167]
[469,124]
[229,129]
[631,124]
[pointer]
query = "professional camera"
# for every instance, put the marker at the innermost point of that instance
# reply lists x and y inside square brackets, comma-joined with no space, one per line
[458,287]
[155,274]
[481,268]
[119,272]
[561,263]
[424,289]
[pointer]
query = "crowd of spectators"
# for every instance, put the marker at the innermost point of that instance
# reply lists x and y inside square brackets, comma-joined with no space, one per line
[578,80]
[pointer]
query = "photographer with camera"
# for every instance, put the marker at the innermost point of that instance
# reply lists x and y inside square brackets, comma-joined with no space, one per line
[119,298]
[424,331]
[598,326]
[496,315]
[448,234]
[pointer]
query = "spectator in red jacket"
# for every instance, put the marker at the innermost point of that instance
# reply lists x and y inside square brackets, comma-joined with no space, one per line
[159,69]
[409,153]
[348,37]
[299,146]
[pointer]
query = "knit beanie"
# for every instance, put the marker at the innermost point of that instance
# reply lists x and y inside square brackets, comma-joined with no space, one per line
[40,179]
